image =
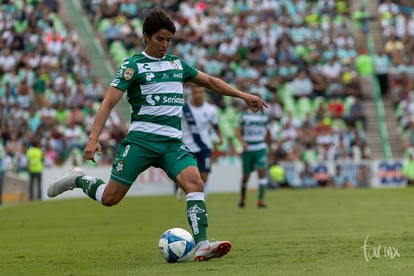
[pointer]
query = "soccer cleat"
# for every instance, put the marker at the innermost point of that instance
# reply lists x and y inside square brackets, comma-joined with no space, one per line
[241,204]
[211,249]
[261,204]
[65,182]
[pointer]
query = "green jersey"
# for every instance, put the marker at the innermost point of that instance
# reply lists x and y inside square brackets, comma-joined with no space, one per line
[254,127]
[155,92]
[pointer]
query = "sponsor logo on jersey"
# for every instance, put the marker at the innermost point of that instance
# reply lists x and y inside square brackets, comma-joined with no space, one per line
[149,76]
[152,100]
[173,100]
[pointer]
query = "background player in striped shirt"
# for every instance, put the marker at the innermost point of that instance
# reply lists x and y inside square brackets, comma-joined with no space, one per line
[253,131]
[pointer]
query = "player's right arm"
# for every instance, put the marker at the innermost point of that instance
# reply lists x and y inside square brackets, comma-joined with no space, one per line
[112,97]
[120,83]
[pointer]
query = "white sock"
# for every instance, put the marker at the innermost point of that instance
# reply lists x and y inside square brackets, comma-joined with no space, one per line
[195,196]
[99,193]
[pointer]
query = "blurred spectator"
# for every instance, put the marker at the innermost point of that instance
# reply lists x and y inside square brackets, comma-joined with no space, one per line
[319,83]
[112,32]
[386,12]
[324,140]
[35,159]
[39,88]
[331,70]
[360,150]
[357,113]
[3,170]
[34,120]
[363,177]
[307,176]
[361,17]
[320,111]
[335,89]
[364,65]
[287,70]
[74,137]
[336,107]
[62,113]
[57,142]
[75,115]
[288,140]
[408,133]
[8,61]
[382,65]
[275,107]
[339,179]
[129,8]
[351,82]
[408,167]
[301,85]
[307,143]
[393,44]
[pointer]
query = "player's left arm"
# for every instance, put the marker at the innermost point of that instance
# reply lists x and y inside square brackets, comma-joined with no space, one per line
[221,87]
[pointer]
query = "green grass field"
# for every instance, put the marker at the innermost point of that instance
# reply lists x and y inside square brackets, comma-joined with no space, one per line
[303,232]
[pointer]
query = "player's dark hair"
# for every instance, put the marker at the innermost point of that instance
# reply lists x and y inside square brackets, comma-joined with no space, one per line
[157,19]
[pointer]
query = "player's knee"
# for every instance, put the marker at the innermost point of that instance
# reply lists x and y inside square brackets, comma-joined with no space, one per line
[110,200]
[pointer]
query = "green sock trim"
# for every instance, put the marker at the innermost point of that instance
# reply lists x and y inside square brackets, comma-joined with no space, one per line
[197,219]
[89,185]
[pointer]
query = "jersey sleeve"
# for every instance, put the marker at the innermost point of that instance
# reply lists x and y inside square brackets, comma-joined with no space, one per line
[189,71]
[125,75]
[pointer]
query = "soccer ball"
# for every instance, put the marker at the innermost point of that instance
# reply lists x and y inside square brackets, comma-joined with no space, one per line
[176,245]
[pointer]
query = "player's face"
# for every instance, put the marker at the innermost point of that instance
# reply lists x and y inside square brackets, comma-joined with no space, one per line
[158,44]
[197,95]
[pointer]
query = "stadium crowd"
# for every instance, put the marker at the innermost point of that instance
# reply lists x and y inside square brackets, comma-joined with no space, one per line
[301,56]
[396,63]
[48,90]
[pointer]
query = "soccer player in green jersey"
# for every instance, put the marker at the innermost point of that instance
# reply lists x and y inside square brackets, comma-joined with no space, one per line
[253,131]
[153,81]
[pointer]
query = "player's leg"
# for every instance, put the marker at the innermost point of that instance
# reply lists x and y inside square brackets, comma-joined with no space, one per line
[31,186]
[261,165]
[204,167]
[247,168]
[261,173]
[130,161]
[191,182]
[181,166]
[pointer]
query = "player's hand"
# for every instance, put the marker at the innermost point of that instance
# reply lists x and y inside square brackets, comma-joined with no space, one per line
[255,102]
[91,148]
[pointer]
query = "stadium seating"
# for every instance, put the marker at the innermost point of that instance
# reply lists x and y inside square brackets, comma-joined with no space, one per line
[264,40]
